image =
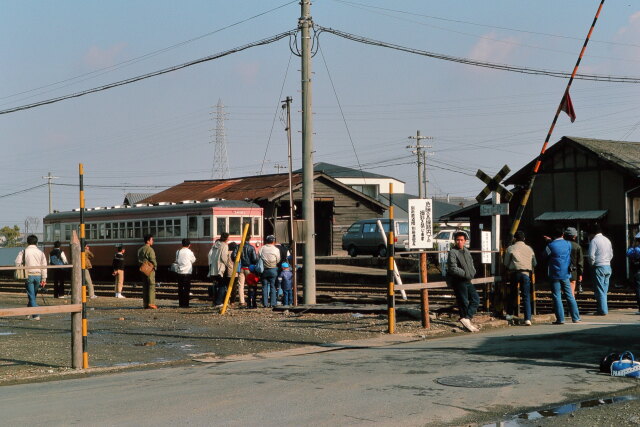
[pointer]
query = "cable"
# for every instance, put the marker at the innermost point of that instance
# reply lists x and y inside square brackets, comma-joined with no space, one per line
[344,119]
[264,41]
[351,3]
[484,64]
[23,191]
[275,114]
[148,55]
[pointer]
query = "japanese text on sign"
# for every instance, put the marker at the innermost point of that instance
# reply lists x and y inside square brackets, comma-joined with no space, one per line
[420,224]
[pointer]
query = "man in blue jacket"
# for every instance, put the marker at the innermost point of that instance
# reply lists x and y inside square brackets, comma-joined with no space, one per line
[558,256]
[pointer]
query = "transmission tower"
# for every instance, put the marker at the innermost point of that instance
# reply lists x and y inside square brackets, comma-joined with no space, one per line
[220,167]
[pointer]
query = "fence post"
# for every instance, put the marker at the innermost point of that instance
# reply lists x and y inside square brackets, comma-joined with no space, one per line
[76,298]
[424,293]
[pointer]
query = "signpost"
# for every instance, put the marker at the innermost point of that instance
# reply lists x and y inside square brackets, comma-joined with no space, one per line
[420,224]
[485,246]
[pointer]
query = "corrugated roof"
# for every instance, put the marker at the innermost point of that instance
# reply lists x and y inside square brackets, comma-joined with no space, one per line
[571,215]
[623,155]
[131,199]
[255,188]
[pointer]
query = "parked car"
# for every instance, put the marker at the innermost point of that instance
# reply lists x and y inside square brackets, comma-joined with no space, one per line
[445,236]
[364,237]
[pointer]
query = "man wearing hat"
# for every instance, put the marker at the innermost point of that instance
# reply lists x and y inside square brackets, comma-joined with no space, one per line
[634,265]
[577,259]
[270,257]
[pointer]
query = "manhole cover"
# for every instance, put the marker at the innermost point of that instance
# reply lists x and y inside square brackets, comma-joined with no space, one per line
[481,381]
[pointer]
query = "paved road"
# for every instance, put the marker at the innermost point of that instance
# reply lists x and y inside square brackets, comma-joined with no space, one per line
[386,381]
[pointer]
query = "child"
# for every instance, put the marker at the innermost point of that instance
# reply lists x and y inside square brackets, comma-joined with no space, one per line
[251,281]
[285,281]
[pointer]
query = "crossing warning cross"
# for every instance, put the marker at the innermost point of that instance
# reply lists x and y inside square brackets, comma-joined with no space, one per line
[493,184]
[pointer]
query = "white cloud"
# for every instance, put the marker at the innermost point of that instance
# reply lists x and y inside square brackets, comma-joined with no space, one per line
[97,57]
[492,48]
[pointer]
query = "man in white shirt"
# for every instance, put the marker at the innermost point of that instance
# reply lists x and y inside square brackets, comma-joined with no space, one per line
[600,255]
[185,259]
[36,277]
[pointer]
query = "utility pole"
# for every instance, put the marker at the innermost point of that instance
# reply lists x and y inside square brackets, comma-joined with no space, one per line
[422,160]
[309,261]
[292,206]
[49,178]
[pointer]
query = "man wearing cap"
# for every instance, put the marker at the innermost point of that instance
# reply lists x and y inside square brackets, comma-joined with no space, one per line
[634,265]
[600,255]
[576,266]
[558,257]
[520,262]
[270,256]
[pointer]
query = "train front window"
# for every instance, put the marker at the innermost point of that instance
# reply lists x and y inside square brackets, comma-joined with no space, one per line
[206,227]
[234,226]
[221,225]
[193,226]
[256,226]
[246,220]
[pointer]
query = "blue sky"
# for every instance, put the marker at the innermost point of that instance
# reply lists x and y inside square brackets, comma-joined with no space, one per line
[157,132]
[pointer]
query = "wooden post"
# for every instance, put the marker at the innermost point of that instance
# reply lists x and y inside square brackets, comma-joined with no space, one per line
[76,298]
[391,298]
[424,293]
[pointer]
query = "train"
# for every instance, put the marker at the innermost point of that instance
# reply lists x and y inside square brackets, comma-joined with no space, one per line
[169,223]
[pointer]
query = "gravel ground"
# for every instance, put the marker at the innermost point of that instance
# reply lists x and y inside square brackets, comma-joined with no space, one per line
[123,336]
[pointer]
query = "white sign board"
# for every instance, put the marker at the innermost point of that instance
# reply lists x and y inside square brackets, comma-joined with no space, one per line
[485,245]
[420,224]
[499,209]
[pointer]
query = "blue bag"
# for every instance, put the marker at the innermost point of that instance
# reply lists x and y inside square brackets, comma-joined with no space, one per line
[626,366]
[259,268]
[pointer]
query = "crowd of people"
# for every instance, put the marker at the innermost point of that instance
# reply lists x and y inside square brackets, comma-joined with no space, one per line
[564,260]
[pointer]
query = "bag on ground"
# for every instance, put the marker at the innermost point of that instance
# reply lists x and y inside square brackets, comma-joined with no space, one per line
[626,366]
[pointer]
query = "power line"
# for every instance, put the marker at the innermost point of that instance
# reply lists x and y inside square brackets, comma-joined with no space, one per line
[22,191]
[148,55]
[264,41]
[484,64]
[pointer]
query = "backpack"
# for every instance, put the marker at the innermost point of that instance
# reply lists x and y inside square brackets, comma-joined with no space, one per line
[55,258]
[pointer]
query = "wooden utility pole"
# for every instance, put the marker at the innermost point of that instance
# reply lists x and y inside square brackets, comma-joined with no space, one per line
[422,193]
[292,210]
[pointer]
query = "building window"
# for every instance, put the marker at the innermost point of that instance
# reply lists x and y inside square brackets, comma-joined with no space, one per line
[370,190]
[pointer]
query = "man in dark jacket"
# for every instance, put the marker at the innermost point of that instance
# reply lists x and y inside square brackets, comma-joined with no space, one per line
[576,267]
[460,271]
[558,256]
[247,258]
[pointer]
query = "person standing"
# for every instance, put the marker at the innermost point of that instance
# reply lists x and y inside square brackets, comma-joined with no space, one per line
[57,257]
[633,253]
[31,256]
[600,255]
[218,266]
[118,270]
[520,261]
[252,281]
[247,258]
[558,256]
[185,259]
[146,253]
[88,256]
[576,265]
[285,282]
[460,271]
[270,256]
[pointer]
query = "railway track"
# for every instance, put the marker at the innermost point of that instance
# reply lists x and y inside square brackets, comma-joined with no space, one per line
[358,293]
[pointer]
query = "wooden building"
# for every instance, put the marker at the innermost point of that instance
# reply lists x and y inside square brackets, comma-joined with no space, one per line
[337,205]
[581,181]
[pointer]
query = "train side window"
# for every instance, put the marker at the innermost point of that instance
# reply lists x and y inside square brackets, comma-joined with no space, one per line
[221,225]
[177,228]
[162,231]
[169,227]
[145,228]
[48,233]
[123,231]
[206,227]
[67,232]
[256,226]
[245,220]
[192,226]
[130,230]
[138,229]
[92,231]
[234,226]
[56,232]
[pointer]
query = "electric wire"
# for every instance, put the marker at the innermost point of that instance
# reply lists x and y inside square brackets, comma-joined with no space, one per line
[119,65]
[22,191]
[344,119]
[275,114]
[483,64]
[261,42]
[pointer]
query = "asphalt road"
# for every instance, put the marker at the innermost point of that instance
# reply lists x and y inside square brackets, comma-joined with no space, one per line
[385,381]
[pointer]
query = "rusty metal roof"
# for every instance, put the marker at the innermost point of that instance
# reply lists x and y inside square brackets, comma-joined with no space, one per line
[254,188]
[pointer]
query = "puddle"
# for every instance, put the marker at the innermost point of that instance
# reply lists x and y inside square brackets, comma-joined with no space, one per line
[7,333]
[519,419]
